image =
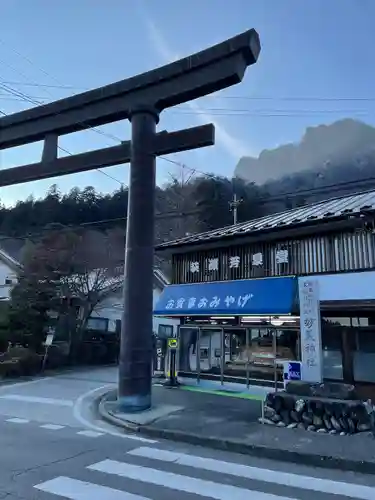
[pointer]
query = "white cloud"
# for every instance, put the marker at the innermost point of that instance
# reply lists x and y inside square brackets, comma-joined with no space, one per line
[234,147]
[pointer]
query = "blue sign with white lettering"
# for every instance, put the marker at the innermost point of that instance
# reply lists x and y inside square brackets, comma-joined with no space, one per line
[293,371]
[267,296]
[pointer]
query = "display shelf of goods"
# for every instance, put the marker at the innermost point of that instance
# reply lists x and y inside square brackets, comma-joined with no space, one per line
[319,414]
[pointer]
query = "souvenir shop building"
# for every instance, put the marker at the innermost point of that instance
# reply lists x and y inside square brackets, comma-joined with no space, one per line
[241,294]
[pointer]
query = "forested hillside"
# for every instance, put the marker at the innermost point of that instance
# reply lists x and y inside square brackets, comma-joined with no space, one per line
[198,205]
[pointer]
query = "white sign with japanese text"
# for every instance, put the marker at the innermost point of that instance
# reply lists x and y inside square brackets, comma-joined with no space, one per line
[194,267]
[311,343]
[209,302]
[213,264]
[282,256]
[234,262]
[257,259]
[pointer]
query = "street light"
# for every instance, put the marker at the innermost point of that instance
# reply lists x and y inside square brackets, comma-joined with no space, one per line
[276,321]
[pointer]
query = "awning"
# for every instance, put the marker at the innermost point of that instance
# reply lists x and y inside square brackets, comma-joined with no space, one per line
[267,296]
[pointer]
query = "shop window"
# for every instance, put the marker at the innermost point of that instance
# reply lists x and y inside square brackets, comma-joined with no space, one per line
[332,351]
[187,361]
[209,355]
[360,322]
[97,324]
[287,345]
[236,352]
[337,321]
[364,356]
[349,321]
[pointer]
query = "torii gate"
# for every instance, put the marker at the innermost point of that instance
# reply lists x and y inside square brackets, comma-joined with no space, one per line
[139,99]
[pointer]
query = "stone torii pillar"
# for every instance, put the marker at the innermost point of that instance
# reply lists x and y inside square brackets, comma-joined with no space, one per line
[135,378]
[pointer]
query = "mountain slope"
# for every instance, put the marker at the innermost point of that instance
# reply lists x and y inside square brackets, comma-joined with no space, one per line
[320,147]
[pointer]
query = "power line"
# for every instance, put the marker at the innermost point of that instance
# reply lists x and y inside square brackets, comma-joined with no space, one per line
[71,154]
[224,97]
[233,111]
[22,95]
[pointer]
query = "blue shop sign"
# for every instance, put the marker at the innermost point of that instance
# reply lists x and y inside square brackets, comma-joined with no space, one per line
[267,296]
[293,371]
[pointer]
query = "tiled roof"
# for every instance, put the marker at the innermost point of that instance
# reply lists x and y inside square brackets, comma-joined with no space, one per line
[334,208]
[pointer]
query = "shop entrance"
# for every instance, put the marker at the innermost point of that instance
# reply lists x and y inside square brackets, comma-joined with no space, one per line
[348,343]
[246,355]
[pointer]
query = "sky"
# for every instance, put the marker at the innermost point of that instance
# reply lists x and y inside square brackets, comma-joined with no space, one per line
[316,66]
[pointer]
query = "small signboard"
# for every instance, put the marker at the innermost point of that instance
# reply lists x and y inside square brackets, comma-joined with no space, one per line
[49,339]
[165,331]
[172,343]
[292,371]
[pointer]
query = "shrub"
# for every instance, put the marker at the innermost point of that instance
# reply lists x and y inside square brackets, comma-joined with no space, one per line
[18,361]
[57,356]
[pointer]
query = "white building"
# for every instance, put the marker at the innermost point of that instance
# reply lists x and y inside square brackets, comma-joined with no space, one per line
[109,311]
[9,269]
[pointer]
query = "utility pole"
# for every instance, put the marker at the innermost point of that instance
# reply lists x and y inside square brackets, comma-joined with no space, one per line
[233,207]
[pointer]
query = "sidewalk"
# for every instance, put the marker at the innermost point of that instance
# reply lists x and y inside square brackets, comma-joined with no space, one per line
[231,423]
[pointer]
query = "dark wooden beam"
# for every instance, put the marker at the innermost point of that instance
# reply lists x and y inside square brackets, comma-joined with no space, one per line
[165,143]
[208,71]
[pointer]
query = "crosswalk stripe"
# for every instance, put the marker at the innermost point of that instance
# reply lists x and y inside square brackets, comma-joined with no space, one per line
[35,399]
[52,427]
[258,474]
[195,486]
[73,489]
[91,434]
[17,421]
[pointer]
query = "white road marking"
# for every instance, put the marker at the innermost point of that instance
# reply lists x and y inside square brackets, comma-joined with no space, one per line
[35,399]
[91,434]
[195,486]
[52,427]
[17,420]
[74,489]
[21,384]
[254,473]
[78,415]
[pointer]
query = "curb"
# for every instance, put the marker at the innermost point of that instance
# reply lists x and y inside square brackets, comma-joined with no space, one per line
[235,446]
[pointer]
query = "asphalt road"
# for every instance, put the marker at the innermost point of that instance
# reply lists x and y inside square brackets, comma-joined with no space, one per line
[52,446]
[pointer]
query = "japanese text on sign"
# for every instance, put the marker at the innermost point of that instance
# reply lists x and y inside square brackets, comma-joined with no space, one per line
[209,302]
[310,330]
[212,264]
[257,259]
[282,256]
[234,262]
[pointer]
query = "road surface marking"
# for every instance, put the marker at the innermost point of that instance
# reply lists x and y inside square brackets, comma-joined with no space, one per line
[78,411]
[21,384]
[18,420]
[35,399]
[52,427]
[257,474]
[74,489]
[178,482]
[91,434]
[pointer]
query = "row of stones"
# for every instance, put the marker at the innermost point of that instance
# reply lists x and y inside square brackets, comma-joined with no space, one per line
[333,418]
